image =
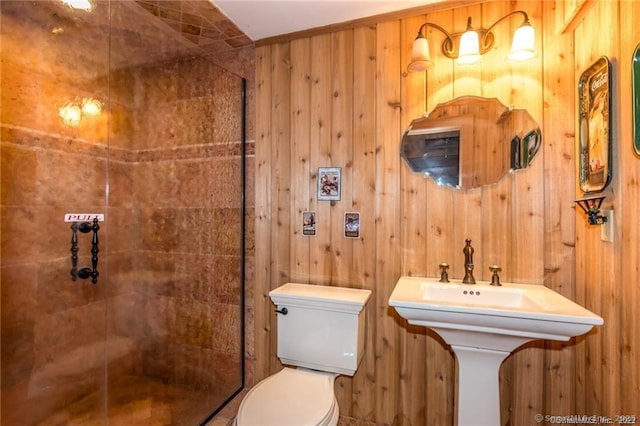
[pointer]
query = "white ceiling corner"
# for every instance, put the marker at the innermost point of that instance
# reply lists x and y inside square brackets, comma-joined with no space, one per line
[261,19]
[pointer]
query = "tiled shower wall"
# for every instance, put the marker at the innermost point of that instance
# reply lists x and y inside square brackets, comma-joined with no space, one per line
[169,259]
[175,200]
[52,329]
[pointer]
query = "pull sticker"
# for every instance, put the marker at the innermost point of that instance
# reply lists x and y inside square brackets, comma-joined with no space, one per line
[83,217]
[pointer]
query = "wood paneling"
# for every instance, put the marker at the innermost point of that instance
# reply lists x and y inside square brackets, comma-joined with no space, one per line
[386,237]
[596,274]
[627,231]
[559,229]
[343,99]
[364,264]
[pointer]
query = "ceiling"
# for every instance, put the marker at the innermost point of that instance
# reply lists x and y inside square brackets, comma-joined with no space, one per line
[260,19]
[142,32]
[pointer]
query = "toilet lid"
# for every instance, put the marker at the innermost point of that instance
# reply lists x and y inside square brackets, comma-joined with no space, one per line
[292,397]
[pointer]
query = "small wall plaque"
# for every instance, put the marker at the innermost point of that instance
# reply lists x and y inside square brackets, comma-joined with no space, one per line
[309,223]
[352,225]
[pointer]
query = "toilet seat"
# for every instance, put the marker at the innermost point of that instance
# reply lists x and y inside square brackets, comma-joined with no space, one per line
[291,397]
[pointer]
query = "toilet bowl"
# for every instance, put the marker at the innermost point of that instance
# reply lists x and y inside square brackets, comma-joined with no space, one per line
[321,333]
[291,397]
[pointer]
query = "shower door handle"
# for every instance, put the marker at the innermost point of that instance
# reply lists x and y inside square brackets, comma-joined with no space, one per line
[84,273]
[74,251]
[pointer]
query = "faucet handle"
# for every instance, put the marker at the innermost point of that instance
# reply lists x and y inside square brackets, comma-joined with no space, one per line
[495,278]
[444,272]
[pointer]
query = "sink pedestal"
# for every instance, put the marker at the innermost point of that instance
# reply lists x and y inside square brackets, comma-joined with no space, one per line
[479,356]
[478,385]
[483,325]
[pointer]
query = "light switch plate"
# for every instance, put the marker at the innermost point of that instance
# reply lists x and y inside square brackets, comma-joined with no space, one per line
[606,229]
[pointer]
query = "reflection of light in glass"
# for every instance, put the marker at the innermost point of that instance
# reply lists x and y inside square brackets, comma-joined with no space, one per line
[78,4]
[71,114]
[91,106]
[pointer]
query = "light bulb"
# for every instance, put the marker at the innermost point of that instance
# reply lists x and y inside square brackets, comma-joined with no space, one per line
[91,106]
[71,114]
[420,58]
[469,50]
[522,46]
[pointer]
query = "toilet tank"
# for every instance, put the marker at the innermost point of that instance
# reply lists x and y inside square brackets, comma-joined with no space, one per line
[323,328]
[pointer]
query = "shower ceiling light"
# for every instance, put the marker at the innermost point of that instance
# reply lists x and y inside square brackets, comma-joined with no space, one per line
[78,4]
[91,106]
[71,114]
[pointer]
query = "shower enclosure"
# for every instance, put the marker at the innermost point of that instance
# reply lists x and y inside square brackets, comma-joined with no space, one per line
[117,110]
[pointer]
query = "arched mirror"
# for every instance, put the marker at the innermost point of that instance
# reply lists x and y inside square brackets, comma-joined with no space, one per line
[471,141]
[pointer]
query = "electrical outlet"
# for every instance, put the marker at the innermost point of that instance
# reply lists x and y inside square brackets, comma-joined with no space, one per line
[606,229]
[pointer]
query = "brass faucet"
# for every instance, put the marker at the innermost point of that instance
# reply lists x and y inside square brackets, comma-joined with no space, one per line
[495,278]
[444,272]
[468,263]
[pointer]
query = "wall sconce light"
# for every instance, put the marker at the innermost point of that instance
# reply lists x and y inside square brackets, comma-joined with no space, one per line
[467,47]
[591,206]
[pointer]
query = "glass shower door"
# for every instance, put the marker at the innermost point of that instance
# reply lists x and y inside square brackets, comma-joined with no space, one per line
[115,110]
[55,63]
[175,209]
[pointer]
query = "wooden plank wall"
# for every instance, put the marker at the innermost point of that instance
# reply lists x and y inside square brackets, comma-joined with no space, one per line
[343,99]
[559,214]
[607,273]
[626,288]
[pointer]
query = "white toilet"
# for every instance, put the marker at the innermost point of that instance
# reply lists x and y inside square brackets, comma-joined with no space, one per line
[320,331]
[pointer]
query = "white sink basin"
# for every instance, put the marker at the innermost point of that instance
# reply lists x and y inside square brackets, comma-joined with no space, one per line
[484,324]
[504,316]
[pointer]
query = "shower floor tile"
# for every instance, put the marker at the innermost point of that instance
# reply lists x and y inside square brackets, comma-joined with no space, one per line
[135,400]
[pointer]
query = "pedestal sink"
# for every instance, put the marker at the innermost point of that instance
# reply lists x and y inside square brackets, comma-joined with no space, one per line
[484,324]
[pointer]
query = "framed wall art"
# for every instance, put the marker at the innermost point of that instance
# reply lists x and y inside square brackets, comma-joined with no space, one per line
[329,183]
[352,225]
[635,75]
[309,223]
[594,144]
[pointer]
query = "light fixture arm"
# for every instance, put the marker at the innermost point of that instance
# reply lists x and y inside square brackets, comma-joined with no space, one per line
[486,41]
[447,44]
